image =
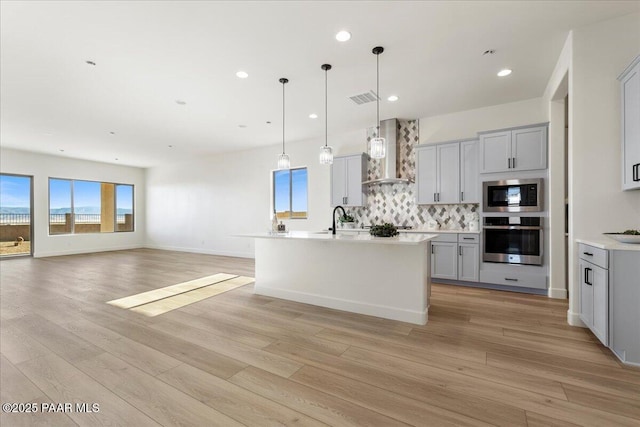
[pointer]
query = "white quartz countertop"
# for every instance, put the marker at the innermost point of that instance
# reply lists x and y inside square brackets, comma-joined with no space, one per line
[402,239]
[609,244]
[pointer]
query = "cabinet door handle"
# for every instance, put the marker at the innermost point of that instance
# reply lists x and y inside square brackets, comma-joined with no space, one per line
[510,279]
[513,162]
[434,197]
[438,196]
[509,163]
[432,249]
[462,196]
[468,238]
[588,253]
[460,250]
[586,276]
[636,172]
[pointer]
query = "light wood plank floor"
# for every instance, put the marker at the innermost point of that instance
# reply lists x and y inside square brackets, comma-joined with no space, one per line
[485,357]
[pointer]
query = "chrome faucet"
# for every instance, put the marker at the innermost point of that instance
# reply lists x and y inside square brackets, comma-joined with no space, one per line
[333,226]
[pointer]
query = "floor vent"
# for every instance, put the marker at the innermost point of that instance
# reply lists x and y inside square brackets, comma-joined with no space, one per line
[364,98]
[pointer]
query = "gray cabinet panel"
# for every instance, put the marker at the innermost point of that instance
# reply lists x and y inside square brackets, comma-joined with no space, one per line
[630,87]
[594,292]
[426,175]
[529,148]
[444,260]
[469,175]
[347,174]
[495,152]
[468,262]
[448,176]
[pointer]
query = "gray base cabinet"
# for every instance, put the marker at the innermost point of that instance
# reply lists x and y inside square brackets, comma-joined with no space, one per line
[610,298]
[624,305]
[594,291]
[455,257]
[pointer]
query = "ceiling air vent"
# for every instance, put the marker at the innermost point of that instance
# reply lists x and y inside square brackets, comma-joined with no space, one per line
[364,98]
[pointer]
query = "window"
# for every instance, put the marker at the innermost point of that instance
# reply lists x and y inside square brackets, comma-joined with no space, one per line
[290,193]
[77,207]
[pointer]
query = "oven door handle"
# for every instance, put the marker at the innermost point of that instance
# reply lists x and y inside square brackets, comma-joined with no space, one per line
[511,227]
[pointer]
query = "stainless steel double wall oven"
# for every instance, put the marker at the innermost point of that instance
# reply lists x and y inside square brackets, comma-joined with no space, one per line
[513,239]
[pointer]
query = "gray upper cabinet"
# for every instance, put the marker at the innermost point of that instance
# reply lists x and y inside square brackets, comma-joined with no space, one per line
[514,150]
[469,177]
[438,173]
[495,149]
[347,174]
[630,97]
[426,174]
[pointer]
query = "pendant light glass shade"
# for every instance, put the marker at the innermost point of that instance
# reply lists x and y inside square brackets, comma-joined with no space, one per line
[377,148]
[326,152]
[377,144]
[326,155]
[283,159]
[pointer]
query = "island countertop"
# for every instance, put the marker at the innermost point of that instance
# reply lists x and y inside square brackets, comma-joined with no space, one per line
[402,239]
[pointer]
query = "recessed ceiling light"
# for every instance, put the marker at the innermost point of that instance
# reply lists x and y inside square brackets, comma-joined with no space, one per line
[242,126]
[503,73]
[343,36]
[170,146]
[313,116]
[392,98]
[90,63]
[268,123]
[112,133]
[242,74]
[61,150]
[181,102]
[116,158]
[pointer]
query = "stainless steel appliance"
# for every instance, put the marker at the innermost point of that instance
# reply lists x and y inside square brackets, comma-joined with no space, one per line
[513,195]
[513,240]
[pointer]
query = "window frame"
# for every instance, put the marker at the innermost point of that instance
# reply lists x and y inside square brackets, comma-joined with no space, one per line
[72,207]
[273,193]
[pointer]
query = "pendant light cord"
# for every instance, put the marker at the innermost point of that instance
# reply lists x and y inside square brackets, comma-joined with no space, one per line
[326,117]
[283,117]
[378,92]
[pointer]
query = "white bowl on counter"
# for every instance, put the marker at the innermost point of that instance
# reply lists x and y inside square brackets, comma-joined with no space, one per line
[624,238]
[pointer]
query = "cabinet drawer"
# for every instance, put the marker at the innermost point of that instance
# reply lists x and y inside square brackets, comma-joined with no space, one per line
[468,238]
[514,278]
[597,256]
[453,237]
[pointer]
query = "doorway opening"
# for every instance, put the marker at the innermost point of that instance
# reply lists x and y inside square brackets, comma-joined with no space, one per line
[16,215]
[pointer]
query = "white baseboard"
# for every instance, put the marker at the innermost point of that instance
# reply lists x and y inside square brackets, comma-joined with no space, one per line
[573,319]
[41,254]
[558,293]
[201,251]
[410,316]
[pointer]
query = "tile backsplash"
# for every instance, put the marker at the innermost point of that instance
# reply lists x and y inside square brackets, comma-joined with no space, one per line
[396,203]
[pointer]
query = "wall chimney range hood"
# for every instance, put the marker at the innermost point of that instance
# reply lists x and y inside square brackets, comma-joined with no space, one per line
[389,166]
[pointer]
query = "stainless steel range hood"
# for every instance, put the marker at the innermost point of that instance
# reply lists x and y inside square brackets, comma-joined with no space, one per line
[389,165]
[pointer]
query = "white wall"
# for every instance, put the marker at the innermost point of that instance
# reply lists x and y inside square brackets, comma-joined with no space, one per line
[600,53]
[41,167]
[199,206]
[466,124]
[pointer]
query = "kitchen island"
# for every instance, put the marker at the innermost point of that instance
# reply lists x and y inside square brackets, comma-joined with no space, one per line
[386,277]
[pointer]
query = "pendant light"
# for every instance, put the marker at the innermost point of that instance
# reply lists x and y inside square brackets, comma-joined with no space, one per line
[326,152]
[377,144]
[283,159]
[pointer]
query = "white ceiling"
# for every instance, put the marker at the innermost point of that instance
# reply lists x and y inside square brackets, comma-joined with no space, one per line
[150,54]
